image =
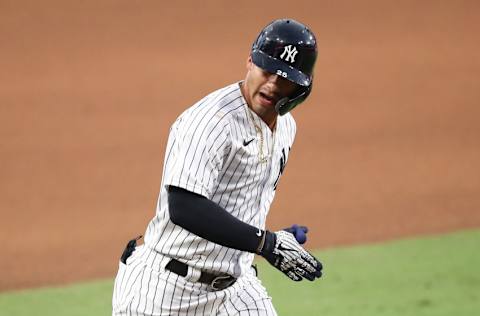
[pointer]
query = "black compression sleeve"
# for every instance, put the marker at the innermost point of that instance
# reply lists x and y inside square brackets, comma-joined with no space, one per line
[208,220]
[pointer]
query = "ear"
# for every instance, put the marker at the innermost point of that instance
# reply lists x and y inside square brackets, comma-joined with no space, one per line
[249,63]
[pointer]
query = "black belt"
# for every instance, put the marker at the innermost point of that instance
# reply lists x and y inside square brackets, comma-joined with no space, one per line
[216,282]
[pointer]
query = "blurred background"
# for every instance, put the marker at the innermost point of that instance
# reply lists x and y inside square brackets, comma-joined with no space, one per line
[387,145]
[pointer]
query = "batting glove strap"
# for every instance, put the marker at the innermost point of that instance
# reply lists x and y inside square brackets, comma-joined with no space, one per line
[282,250]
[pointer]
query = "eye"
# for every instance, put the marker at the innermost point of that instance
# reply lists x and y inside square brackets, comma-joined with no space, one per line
[265,73]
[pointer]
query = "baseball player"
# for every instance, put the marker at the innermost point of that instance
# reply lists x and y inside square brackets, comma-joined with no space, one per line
[224,158]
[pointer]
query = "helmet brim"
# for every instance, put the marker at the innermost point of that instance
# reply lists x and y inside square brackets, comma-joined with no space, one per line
[273,65]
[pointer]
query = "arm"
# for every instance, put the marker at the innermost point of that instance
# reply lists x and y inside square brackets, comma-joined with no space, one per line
[208,220]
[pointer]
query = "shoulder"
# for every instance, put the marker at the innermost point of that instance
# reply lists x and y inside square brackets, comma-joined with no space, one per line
[227,103]
[217,110]
[288,124]
[286,130]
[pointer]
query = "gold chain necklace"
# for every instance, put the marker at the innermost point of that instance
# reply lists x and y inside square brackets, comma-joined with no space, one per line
[261,156]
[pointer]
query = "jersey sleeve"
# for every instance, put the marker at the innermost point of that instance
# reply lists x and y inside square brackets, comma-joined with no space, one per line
[198,151]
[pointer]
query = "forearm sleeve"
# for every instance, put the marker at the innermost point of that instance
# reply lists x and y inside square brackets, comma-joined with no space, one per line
[208,220]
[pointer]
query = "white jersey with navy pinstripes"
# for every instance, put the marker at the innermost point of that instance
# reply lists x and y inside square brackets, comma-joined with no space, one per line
[214,149]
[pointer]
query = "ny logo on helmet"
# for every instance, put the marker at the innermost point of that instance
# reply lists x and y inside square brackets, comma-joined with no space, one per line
[289,53]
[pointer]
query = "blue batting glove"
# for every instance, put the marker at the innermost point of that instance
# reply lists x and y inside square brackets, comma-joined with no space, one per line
[300,233]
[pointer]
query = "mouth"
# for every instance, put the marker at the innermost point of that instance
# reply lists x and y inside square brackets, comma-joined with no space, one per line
[268,98]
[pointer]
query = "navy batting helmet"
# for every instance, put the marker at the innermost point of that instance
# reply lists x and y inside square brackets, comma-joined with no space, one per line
[289,49]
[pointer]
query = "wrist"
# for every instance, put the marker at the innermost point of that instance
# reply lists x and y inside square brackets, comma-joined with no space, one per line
[261,244]
[268,243]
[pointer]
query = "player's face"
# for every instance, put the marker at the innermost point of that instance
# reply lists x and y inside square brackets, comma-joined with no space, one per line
[262,90]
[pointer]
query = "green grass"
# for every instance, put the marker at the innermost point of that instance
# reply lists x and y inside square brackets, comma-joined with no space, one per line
[92,298]
[430,276]
[436,275]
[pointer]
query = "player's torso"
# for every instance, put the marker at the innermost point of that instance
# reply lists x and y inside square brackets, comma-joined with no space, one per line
[251,165]
[251,171]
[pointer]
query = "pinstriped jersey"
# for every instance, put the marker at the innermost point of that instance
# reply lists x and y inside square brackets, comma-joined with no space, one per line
[216,149]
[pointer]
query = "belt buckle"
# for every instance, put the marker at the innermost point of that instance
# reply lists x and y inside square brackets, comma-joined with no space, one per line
[221,282]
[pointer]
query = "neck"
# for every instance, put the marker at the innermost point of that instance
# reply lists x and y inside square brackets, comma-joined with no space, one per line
[273,122]
[269,117]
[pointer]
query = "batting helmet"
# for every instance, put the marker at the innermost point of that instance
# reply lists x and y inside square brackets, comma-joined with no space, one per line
[289,49]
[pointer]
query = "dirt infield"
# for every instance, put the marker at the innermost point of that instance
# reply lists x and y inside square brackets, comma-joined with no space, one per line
[388,144]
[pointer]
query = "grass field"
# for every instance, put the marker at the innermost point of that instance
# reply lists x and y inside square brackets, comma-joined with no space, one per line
[436,275]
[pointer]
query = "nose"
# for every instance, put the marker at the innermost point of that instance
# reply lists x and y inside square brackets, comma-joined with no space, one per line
[281,84]
[274,78]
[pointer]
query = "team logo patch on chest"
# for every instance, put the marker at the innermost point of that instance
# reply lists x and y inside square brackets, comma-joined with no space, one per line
[283,162]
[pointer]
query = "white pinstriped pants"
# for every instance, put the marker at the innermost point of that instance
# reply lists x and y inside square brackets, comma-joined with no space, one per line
[144,287]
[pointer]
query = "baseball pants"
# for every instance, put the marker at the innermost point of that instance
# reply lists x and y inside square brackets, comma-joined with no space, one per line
[144,287]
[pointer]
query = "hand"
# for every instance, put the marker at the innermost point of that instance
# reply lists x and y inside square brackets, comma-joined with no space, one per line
[300,233]
[282,250]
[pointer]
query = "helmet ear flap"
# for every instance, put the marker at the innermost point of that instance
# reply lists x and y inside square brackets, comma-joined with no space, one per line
[286,104]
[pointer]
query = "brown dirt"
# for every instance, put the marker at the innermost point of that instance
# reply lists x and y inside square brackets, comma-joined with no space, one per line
[388,144]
